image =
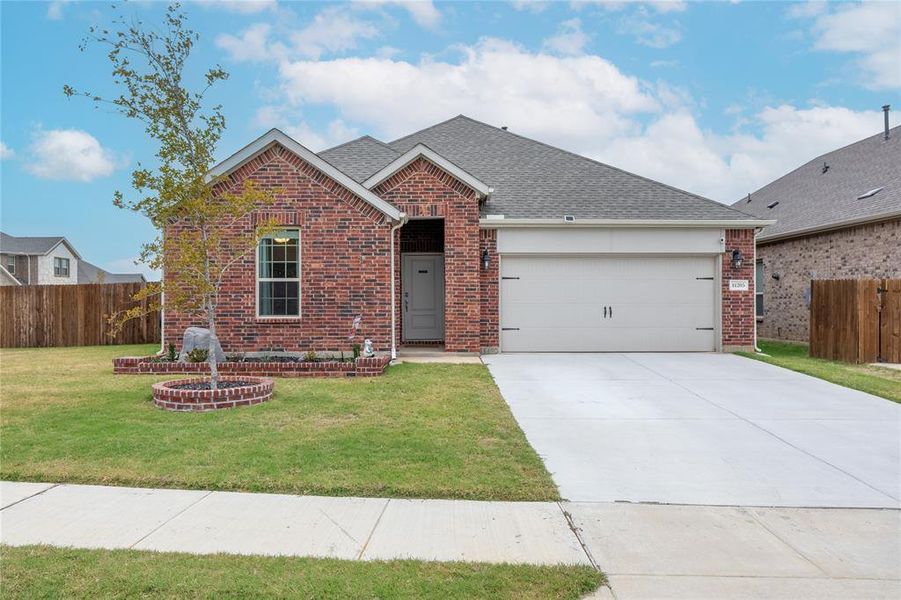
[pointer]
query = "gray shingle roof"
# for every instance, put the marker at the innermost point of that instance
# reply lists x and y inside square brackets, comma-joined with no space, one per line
[534,180]
[810,199]
[27,245]
[88,273]
[361,157]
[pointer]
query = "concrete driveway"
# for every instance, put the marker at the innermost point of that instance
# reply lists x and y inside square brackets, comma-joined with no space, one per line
[710,429]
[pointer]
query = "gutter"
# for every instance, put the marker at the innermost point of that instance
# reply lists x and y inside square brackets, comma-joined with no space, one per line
[400,223]
[495,223]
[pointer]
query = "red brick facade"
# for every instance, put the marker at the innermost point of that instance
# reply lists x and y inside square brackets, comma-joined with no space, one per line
[738,307]
[345,265]
[489,324]
[423,190]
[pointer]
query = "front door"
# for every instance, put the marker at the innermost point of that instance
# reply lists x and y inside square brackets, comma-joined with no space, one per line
[423,297]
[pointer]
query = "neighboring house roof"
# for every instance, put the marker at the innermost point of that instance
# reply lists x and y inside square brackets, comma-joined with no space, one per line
[88,273]
[32,246]
[811,200]
[274,136]
[421,150]
[532,180]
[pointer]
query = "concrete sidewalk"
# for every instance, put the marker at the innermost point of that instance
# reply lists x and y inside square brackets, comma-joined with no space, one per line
[202,522]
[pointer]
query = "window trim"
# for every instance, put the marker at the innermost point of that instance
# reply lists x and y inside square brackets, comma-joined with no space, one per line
[58,270]
[10,264]
[759,289]
[257,279]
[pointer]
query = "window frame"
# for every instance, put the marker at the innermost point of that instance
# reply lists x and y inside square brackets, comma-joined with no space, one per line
[759,288]
[257,279]
[58,263]
[11,264]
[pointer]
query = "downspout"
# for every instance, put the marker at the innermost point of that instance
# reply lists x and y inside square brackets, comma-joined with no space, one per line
[756,347]
[400,223]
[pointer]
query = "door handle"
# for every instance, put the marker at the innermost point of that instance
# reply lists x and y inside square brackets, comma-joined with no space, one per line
[406,306]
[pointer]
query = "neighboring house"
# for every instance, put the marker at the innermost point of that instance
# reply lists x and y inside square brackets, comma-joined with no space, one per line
[49,261]
[838,217]
[485,241]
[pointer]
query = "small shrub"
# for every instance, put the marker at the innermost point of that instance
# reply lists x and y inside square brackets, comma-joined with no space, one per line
[172,354]
[310,356]
[356,348]
[198,355]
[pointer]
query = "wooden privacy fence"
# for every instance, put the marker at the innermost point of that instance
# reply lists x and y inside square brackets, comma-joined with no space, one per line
[856,320]
[71,315]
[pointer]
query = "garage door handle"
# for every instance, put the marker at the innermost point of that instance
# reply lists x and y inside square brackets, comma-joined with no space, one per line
[605,312]
[611,312]
[509,328]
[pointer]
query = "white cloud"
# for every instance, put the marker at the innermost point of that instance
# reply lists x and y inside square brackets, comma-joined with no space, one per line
[647,31]
[69,154]
[423,12]
[292,122]
[870,30]
[6,151]
[574,98]
[332,30]
[570,40]
[245,7]
[55,9]
[252,45]
[533,6]
[661,6]
[131,265]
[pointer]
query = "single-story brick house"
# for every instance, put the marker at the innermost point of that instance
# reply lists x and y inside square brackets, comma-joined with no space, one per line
[838,217]
[470,236]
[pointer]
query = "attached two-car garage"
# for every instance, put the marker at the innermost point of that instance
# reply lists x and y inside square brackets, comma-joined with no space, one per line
[630,297]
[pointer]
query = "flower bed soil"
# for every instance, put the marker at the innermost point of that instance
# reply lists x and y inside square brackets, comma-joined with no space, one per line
[276,367]
[194,394]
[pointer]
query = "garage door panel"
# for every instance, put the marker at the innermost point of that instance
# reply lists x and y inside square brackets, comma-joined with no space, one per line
[556,303]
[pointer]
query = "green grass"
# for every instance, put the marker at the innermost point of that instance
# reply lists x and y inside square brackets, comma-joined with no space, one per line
[43,572]
[879,381]
[436,431]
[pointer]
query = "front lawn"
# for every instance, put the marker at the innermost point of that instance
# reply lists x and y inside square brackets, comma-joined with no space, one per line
[435,431]
[879,381]
[44,572]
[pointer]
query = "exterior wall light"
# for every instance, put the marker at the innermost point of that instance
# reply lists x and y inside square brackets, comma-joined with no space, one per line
[485,259]
[737,259]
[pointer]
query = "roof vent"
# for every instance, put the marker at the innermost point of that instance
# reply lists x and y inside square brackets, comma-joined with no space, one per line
[772,204]
[825,167]
[569,218]
[749,198]
[870,194]
[504,127]
[885,110]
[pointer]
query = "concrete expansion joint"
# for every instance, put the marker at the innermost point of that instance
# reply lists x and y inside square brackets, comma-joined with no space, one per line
[38,493]
[170,519]
[576,532]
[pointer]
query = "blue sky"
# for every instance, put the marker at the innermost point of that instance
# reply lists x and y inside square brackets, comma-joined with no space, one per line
[715,97]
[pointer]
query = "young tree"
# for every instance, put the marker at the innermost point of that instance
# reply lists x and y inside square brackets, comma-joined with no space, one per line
[178,195]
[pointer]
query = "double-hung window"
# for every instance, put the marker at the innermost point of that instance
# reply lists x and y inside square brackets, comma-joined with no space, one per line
[758,288]
[278,275]
[60,267]
[11,264]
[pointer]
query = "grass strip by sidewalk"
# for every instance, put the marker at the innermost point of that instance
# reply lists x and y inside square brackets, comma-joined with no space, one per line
[45,572]
[425,431]
[879,381]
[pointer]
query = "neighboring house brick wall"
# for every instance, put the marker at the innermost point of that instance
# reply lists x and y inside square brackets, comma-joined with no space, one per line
[45,274]
[866,251]
[421,189]
[738,307]
[345,265]
[490,321]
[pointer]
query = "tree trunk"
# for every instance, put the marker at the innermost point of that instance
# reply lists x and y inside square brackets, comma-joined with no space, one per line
[211,351]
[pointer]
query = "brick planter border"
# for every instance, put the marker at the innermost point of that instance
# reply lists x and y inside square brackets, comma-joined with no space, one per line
[362,367]
[165,397]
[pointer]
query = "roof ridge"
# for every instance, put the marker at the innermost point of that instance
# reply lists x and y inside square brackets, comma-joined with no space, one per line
[357,139]
[597,162]
[816,159]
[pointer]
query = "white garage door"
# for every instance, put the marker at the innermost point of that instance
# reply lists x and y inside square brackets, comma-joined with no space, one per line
[604,304]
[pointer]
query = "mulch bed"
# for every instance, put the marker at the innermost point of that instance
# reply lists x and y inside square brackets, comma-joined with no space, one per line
[205,385]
